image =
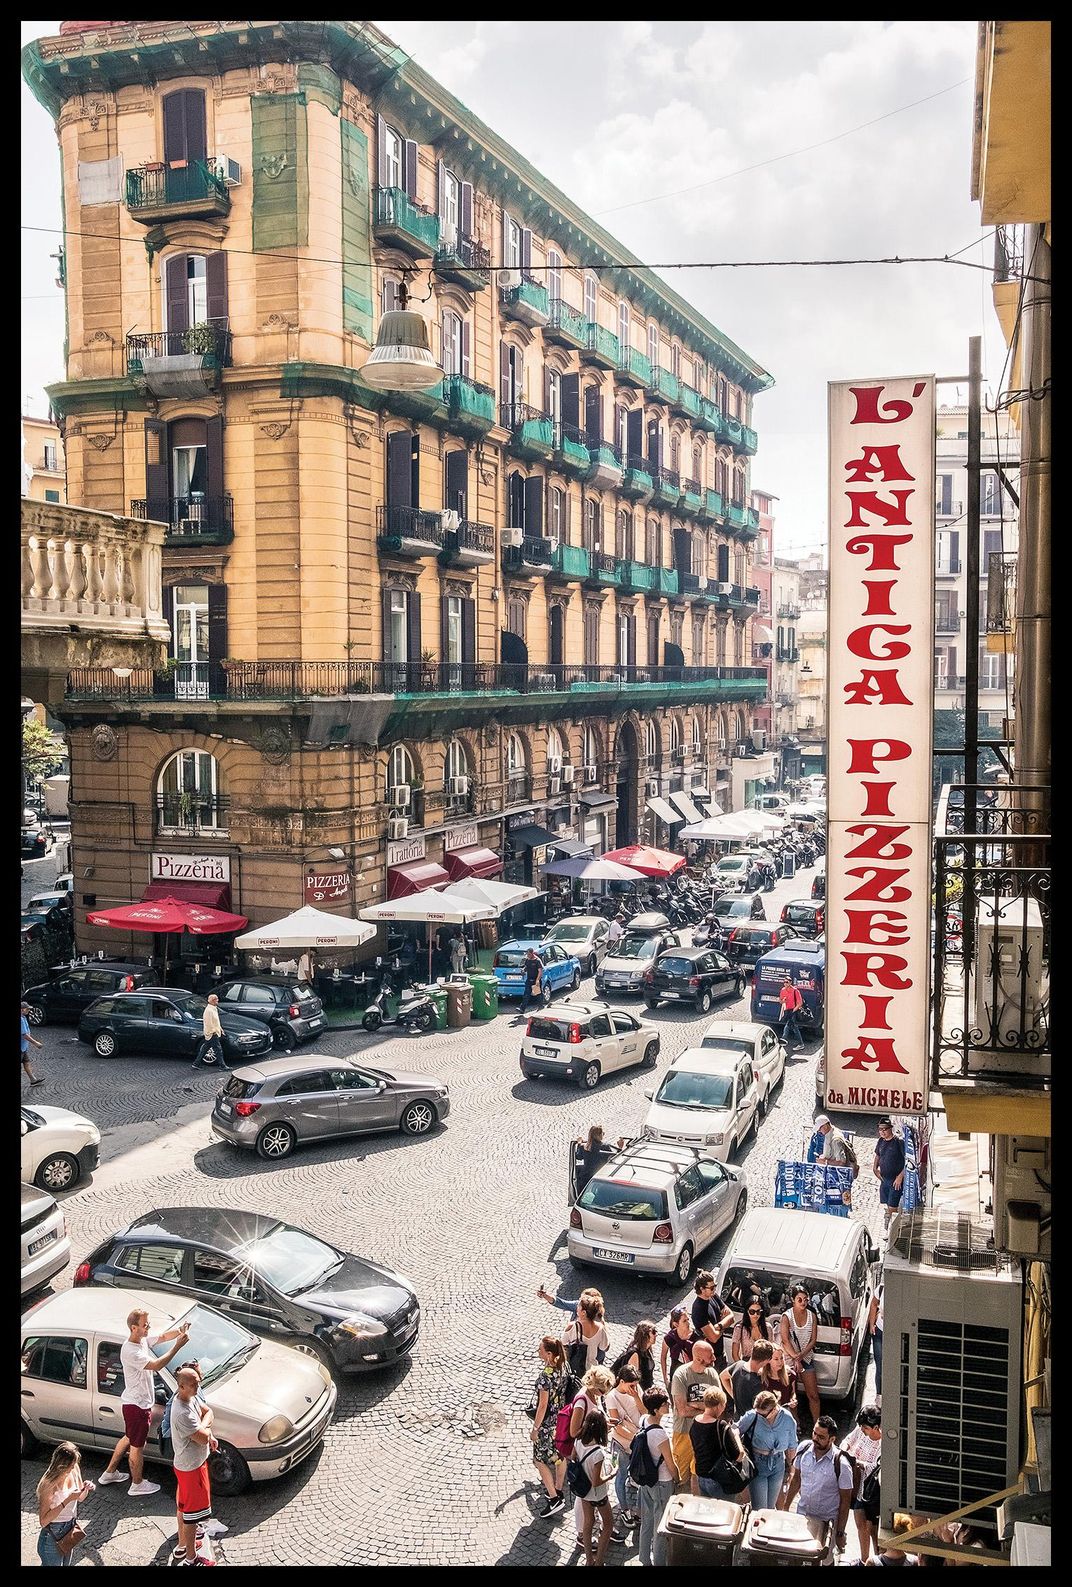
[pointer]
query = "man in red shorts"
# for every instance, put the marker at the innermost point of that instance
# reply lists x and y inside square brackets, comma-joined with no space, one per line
[139,1397]
[191,1435]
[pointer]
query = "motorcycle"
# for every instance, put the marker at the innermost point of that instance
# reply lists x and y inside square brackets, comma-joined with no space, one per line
[415,1010]
[709,932]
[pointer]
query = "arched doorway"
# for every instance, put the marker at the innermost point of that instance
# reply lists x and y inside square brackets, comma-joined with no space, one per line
[627,757]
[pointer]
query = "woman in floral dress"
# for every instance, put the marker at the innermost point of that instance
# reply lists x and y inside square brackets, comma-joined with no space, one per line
[549,1395]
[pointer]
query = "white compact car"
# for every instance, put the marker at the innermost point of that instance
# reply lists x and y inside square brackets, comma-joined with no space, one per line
[757,1042]
[705,1099]
[58,1147]
[582,1041]
[583,936]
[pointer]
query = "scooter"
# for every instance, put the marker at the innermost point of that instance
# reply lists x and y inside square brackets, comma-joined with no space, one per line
[708,933]
[416,1011]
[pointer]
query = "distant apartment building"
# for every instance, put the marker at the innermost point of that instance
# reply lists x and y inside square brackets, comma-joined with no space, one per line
[811,677]
[44,472]
[763,718]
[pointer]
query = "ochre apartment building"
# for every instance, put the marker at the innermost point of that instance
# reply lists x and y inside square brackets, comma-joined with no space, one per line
[413,635]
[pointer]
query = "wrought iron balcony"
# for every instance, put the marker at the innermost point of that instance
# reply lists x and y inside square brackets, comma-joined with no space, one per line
[571,448]
[464,261]
[710,416]
[533,431]
[791,612]
[528,302]
[406,224]
[667,581]
[409,531]
[712,505]
[565,325]
[732,429]
[470,545]
[947,623]
[604,568]
[751,596]
[571,562]
[787,653]
[636,575]
[667,486]
[211,342]
[191,520]
[157,192]
[205,814]
[600,347]
[737,515]
[633,367]
[518,788]
[692,497]
[471,406]
[691,402]
[749,440]
[533,555]
[605,470]
[637,480]
[692,583]
[665,384]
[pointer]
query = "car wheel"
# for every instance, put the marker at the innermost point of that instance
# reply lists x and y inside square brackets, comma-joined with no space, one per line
[651,1002]
[35,1014]
[545,996]
[308,1346]
[742,1206]
[418,1118]
[57,1172]
[589,1077]
[283,1039]
[228,1472]
[590,969]
[275,1141]
[683,1270]
[651,1054]
[104,1044]
[372,1021]
[742,982]
[27,1442]
[732,1149]
[576,981]
[703,1002]
[761,1111]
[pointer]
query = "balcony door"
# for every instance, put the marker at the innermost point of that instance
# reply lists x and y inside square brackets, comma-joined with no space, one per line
[190,641]
[456,483]
[401,639]
[185,133]
[403,491]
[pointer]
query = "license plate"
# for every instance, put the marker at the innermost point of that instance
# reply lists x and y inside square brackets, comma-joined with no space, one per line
[545,1052]
[226,1107]
[39,1245]
[613,1256]
[315,1023]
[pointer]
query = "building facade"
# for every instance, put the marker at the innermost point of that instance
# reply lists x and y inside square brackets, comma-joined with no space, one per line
[434,632]
[44,473]
[762,627]
[785,683]
[813,585]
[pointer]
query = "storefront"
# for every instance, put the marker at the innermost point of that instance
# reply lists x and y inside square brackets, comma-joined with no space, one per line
[663,823]
[464,854]
[409,870]
[595,811]
[203,879]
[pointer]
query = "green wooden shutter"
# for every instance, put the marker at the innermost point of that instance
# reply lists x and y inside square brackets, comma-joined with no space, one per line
[280,171]
[356,245]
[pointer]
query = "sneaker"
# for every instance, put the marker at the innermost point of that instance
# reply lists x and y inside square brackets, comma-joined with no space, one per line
[141,1490]
[38,1082]
[551,1506]
[618,1535]
[113,1476]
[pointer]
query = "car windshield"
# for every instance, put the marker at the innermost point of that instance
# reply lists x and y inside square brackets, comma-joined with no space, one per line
[672,965]
[188,1002]
[687,1088]
[217,1344]
[733,863]
[732,908]
[291,1260]
[800,914]
[569,933]
[727,1044]
[511,959]
[621,1199]
[634,946]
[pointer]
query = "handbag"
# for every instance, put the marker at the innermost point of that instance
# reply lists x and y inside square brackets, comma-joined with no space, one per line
[71,1539]
[733,1475]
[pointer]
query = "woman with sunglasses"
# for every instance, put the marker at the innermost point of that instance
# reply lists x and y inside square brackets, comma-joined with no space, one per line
[769,1433]
[753,1326]
[800,1330]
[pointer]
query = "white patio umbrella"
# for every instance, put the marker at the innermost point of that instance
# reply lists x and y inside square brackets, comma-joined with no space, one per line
[443,906]
[499,896]
[760,820]
[585,868]
[724,826]
[308,928]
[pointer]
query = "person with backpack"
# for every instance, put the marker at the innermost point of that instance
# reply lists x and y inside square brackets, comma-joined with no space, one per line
[722,1466]
[800,1330]
[595,1385]
[864,1444]
[769,1434]
[825,1479]
[591,1471]
[639,1354]
[550,1395]
[676,1345]
[651,1473]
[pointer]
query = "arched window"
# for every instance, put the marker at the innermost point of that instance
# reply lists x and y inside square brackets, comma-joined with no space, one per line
[593,525]
[722,473]
[399,769]
[515,756]
[623,328]
[393,158]
[697,743]
[623,548]
[699,629]
[554,748]
[186,295]
[455,769]
[697,464]
[388,295]
[675,735]
[591,298]
[675,453]
[720,730]
[554,273]
[188,792]
[591,754]
[554,398]
[739,732]
[452,338]
[652,742]
[675,360]
[556,514]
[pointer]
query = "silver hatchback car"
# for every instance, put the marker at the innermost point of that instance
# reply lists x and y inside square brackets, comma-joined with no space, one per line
[275,1105]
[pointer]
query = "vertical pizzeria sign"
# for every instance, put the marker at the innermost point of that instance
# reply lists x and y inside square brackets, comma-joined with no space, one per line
[879,726]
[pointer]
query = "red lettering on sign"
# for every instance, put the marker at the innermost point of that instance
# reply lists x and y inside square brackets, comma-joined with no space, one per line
[880,845]
[874,1014]
[870,892]
[876,969]
[894,412]
[859,642]
[873,1053]
[884,688]
[878,798]
[894,511]
[882,548]
[865,756]
[891,1101]
[878,597]
[864,923]
[877,462]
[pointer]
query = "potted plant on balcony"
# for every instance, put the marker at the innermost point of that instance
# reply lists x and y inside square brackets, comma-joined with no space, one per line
[428,671]
[164,679]
[199,339]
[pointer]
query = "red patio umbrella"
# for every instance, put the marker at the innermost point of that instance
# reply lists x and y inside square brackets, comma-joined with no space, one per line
[650,862]
[167,915]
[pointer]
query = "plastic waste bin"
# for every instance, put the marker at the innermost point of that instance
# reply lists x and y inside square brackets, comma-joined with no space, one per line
[438,994]
[789,865]
[459,1004]
[783,1538]
[485,995]
[700,1531]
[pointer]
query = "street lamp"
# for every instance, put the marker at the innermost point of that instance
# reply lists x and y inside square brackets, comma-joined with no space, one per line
[401,359]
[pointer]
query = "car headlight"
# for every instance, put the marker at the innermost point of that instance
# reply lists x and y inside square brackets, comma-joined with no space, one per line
[715,1140]
[324,1373]
[361,1328]
[275,1430]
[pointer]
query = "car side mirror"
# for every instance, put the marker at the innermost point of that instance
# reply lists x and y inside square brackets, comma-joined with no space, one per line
[381,1085]
[176,1016]
[650,1095]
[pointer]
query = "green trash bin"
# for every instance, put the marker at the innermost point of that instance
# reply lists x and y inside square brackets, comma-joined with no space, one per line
[485,995]
[438,994]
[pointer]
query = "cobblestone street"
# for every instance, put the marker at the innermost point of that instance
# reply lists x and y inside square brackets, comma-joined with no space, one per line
[427,1463]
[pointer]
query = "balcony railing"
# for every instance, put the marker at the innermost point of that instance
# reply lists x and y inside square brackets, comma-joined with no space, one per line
[409,529]
[633,366]
[600,346]
[604,463]
[571,562]
[89,574]
[201,520]
[691,402]
[534,552]
[298,680]
[790,612]
[712,507]
[471,405]
[465,261]
[991,946]
[667,581]
[192,812]
[470,541]
[212,342]
[603,567]
[533,431]
[751,596]
[399,219]
[565,324]
[636,575]
[667,483]
[571,446]
[749,439]
[787,653]
[665,384]
[952,509]
[947,623]
[518,788]
[154,191]
[528,302]
[947,569]
[737,515]
[692,497]
[637,480]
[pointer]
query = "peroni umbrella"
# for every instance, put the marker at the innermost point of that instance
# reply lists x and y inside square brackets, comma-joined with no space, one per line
[167,915]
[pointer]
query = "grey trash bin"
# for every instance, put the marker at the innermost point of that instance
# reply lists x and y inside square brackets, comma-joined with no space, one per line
[700,1531]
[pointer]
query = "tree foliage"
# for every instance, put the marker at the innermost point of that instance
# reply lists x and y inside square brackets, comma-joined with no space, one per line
[42,750]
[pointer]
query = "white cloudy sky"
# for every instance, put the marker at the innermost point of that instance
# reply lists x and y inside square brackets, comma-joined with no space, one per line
[616,112]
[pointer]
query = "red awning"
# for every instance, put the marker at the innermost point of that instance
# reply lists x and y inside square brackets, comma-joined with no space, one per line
[213,895]
[473,862]
[403,880]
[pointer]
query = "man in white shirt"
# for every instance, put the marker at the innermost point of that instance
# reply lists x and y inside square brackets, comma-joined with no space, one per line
[139,1397]
[615,932]
[212,1032]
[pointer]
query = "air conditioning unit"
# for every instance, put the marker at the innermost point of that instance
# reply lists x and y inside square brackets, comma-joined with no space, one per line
[653,786]
[398,827]
[450,519]
[509,279]
[701,581]
[229,171]
[759,739]
[457,786]
[512,537]
[723,587]
[554,764]
[554,785]
[1011,990]
[951,1367]
[399,796]
[567,773]
[1022,1204]
[588,774]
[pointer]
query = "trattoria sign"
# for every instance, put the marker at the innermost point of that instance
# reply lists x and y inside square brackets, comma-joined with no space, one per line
[879,724]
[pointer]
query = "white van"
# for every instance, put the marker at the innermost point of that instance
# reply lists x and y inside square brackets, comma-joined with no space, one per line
[775,1248]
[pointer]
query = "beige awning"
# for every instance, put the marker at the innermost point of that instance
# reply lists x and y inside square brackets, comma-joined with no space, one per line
[664,811]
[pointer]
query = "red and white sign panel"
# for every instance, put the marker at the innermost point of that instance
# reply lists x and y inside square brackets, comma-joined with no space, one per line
[879,726]
[332,887]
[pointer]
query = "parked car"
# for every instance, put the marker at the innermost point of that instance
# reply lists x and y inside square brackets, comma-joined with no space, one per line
[64,883]
[805,964]
[58,1147]
[648,922]
[750,940]
[691,975]
[654,1208]
[352,1314]
[46,1248]
[585,936]
[806,916]
[757,1042]
[560,972]
[167,1022]
[707,1098]
[584,1041]
[274,1106]
[67,997]
[271,1405]
[290,1009]
[775,1248]
[634,953]
[41,903]
[734,909]
[732,872]
[35,842]
[818,881]
[773,801]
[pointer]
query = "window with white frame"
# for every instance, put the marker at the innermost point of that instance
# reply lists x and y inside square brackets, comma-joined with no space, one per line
[389,295]
[623,639]
[515,758]
[511,243]
[991,670]
[720,731]
[49,461]
[941,669]
[591,752]
[399,769]
[554,749]
[593,525]
[556,514]
[652,743]
[675,735]
[591,298]
[396,639]
[455,765]
[189,605]
[653,543]
[554,273]
[653,345]
[623,327]
[675,360]
[196,292]
[451,218]
[697,743]
[554,396]
[991,500]
[394,158]
[188,791]
[452,343]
